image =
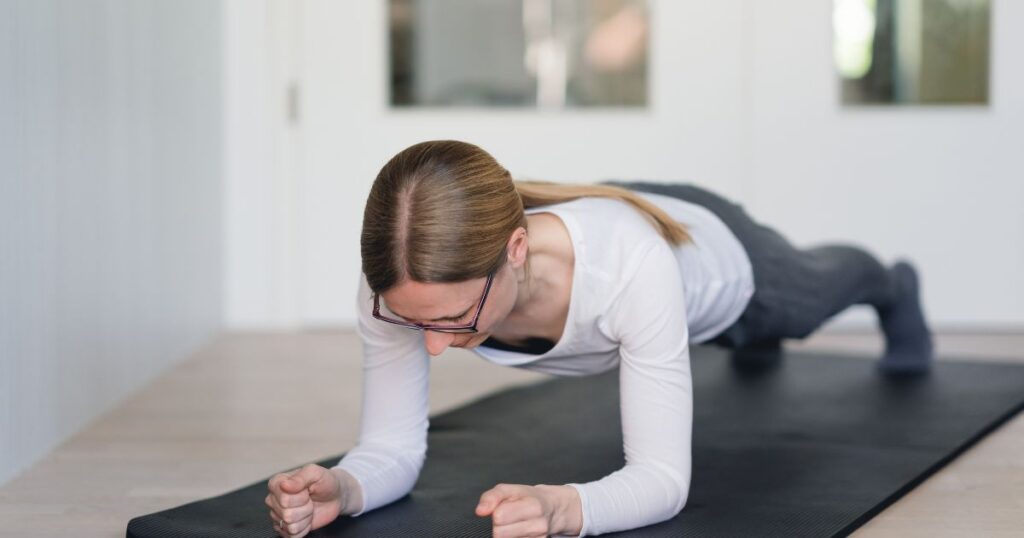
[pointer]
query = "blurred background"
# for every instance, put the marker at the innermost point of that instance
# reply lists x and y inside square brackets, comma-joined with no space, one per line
[171,171]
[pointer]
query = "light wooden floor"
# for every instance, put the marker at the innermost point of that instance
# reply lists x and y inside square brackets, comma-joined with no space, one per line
[250,405]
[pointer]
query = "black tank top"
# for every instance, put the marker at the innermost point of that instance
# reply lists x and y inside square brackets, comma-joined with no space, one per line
[534,346]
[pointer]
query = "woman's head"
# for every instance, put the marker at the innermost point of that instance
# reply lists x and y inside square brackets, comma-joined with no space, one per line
[439,211]
[442,216]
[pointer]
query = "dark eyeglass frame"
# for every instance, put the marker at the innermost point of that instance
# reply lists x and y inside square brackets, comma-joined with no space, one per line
[458,329]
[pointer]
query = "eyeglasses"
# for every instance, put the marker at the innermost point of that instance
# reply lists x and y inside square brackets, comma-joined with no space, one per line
[471,328]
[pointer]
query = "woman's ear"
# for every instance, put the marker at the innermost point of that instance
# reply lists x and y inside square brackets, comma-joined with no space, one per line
[518,245]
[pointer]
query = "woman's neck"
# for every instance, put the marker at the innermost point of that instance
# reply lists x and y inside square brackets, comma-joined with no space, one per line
[544,290]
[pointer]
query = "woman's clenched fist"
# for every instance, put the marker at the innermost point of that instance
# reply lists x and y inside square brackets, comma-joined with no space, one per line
[304,500]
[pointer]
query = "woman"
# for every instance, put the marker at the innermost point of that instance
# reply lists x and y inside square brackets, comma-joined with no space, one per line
[584,279]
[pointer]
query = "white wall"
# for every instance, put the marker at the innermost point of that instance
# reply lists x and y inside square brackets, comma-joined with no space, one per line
[110,206]
[743,101]
[261,175]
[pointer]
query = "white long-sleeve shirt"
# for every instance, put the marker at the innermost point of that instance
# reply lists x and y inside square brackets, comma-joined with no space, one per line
[636,303]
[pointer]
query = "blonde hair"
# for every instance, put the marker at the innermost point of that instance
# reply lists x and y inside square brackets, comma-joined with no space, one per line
[538,193]
[443,211]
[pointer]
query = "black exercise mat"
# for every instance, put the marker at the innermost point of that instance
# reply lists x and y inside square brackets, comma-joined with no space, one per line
[814,447]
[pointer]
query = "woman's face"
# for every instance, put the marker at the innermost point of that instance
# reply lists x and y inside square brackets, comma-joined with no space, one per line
[454,304]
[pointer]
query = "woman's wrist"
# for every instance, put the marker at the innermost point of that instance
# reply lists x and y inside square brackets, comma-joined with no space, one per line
[351,497]
[567,519]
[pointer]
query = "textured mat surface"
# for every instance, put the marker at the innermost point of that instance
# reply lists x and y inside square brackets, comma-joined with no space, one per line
[814,447]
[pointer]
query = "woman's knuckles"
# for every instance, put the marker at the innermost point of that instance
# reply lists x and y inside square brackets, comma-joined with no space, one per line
[294,515]
[291,501]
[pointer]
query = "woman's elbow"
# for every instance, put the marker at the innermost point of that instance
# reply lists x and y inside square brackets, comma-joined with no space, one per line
[684,494]
[677,486]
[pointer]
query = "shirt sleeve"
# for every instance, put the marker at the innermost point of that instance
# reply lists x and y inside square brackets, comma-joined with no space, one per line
[648,319]
[392,444]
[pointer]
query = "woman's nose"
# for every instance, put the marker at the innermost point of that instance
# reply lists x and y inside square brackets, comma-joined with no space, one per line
[437,342]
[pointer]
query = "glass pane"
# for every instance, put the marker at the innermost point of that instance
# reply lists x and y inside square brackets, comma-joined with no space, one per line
[912,51]
[546,53]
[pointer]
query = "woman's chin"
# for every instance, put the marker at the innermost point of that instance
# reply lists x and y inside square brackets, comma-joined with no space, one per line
[472,343]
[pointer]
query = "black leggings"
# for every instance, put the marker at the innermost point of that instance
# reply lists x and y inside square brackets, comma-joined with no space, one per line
[795,290]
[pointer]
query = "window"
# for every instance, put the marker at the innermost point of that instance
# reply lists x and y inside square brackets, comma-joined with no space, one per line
[518,53]
[912,51]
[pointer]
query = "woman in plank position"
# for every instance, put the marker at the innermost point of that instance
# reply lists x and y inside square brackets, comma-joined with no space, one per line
[572,280]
